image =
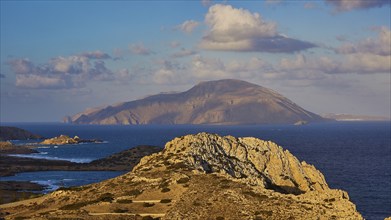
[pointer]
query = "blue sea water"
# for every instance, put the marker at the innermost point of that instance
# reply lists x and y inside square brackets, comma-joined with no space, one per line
[353,156]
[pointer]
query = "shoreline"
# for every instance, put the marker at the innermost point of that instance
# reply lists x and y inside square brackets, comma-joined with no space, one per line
[19,190]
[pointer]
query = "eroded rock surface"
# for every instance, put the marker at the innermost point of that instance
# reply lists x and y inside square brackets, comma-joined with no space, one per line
[203,176]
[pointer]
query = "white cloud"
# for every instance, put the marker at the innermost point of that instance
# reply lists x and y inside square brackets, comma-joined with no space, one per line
[140,49]
[175,44]
[60,72]
[235,29]
[379,46]
[207,68]
[43,82]
[348,5]
[188,26]
[183,53]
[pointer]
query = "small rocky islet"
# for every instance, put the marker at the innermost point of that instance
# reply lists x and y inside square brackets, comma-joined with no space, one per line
[64,139]
[203,176]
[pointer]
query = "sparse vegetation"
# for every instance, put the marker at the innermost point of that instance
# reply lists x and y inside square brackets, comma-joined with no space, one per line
[147,204]
[124,201]
[107,197]
[134,192]
[166,190]
[165,201]
[118,210]
[183,180]
[78,205]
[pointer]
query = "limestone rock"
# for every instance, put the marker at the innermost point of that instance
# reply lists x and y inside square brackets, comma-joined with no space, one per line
[250,160]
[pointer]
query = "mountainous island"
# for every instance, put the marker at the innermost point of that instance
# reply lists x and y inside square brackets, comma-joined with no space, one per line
[227,102]
[202,176]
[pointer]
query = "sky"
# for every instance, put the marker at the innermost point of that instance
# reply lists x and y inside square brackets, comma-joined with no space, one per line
[59,58]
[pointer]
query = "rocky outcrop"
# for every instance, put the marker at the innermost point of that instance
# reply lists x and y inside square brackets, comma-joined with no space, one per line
[250,160]
[203,176]
[64,139]
[9,148]
[213,102]
[14,133]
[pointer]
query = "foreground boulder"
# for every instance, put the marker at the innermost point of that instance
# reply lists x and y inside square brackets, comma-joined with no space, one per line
[203,176]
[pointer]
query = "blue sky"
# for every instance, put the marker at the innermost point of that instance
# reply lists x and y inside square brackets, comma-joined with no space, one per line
[61,57]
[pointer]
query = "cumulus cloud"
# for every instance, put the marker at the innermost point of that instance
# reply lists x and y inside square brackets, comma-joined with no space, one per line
[60,72]
[183,53]
[379,46]
[140,49]
[348,5]
[233,29]
[188,26]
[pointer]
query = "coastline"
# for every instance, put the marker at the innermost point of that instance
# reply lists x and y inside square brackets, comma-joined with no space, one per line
[13,191]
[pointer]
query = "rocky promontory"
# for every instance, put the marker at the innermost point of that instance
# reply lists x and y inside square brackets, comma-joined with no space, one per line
[14,133]
[64,139]
[203,176]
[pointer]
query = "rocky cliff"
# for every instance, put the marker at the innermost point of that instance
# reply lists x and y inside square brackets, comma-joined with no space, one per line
[202,176]
[213,102]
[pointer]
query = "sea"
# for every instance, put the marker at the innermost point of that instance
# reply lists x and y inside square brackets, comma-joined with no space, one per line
[353,156]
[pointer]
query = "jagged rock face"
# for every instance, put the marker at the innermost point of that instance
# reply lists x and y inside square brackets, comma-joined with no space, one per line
[250,160]
[213,102]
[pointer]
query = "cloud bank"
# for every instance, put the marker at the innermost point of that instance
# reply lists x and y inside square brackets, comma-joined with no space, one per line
[61,72]
[232,29]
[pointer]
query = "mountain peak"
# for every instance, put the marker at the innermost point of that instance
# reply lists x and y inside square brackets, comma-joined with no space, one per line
[226,101]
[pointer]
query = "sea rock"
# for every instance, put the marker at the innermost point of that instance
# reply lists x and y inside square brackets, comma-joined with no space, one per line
[64,139]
